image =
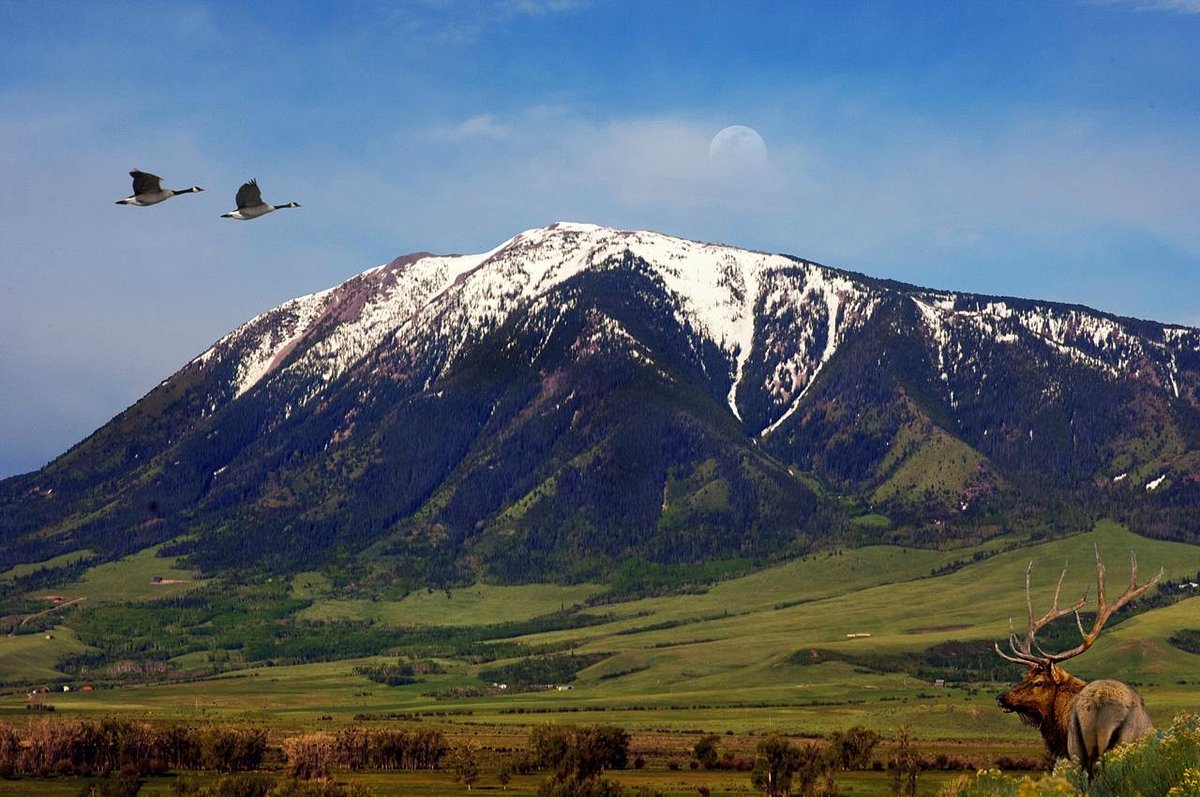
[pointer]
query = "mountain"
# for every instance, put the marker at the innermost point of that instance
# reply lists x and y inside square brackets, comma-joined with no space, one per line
[580,399]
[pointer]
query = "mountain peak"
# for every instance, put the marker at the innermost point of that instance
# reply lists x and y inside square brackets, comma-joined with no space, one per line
[721,294]
[583,391]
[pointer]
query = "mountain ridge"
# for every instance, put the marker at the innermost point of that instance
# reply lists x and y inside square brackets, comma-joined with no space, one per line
[588,395]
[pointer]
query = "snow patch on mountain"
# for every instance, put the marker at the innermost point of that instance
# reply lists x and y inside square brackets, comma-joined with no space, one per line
[263,341]
[828,306]
[1116,347]
[788,316]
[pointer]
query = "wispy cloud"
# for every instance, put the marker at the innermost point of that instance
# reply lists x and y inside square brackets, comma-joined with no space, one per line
[483,125]
[539,7]
[1041,177]
[463,22]
[1167,6]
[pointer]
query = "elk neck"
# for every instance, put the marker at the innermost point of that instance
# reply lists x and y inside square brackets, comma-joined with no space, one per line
[1054,723]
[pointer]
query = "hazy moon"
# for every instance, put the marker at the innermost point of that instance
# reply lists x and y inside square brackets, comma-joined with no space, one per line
[738,149]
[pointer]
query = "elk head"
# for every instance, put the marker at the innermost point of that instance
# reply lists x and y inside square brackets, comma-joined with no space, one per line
[1046,695]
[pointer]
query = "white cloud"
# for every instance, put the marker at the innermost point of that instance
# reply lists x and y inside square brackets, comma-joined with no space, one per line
[539,7]
[1038,177]
[463,22]
[1169,6]
[480,126]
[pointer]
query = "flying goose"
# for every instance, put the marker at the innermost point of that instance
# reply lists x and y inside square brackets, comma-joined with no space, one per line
[250,204]
[148,190]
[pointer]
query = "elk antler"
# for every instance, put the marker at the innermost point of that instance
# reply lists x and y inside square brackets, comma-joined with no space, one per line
[1024,651]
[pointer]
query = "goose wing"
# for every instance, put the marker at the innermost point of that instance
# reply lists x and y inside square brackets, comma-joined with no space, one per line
[145,182]
[248,195]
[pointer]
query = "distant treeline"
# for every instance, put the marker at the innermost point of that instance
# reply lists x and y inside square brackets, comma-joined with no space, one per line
[1187,640]
[972,661]
[85,747]
[401,673]
[45,576]
[542,670]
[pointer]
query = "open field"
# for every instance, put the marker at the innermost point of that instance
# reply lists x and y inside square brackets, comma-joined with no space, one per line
[58,561]
[131,579]
[479,604]
[722,660]
[33,656]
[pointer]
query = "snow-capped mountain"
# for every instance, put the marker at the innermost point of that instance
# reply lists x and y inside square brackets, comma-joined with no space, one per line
[580,396]
[716,291]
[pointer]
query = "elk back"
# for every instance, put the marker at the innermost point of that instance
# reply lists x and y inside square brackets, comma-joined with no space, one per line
[1105,714]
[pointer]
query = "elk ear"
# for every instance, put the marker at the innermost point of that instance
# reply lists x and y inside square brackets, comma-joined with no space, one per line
[1056,673]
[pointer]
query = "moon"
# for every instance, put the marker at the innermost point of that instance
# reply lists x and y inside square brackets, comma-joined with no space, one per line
[738,149]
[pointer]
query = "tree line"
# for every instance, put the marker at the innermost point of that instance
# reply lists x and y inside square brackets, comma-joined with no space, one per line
[84,747]
[87,747]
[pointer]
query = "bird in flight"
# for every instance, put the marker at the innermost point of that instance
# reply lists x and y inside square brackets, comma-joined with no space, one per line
[250,204]
[148,190]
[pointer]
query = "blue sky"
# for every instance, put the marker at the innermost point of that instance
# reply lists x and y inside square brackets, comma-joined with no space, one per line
[1046,149]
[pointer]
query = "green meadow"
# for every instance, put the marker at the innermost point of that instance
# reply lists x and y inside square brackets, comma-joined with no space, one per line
[140,577]
[729,658]
[787,649]
[479,604]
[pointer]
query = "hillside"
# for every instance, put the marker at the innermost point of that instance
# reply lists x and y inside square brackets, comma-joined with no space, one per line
[770,649]
[582,403]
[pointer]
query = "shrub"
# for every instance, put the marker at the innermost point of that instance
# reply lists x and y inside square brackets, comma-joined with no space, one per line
[706,752]
[1160,764]
[239,785]
[298,788]
[1164,764]
[117,786]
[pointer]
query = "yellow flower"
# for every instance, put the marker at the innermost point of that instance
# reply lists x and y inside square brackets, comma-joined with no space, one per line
[1188,786]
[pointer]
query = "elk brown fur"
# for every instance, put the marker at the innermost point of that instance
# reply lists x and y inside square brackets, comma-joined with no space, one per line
[1077,719]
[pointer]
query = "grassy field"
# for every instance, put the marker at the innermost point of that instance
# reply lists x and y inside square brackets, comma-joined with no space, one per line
[131,579]
[32,657]
[719,661]
[480,604]
[58,561]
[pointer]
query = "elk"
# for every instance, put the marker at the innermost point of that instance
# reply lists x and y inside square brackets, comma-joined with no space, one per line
[1077,719]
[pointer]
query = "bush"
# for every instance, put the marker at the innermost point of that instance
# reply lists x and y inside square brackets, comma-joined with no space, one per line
[1164,764]
[592,787]
[240,785]
[706,752]
[297,788]
[117,786]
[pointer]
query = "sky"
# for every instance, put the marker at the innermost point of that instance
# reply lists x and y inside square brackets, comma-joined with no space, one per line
[1047,149]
